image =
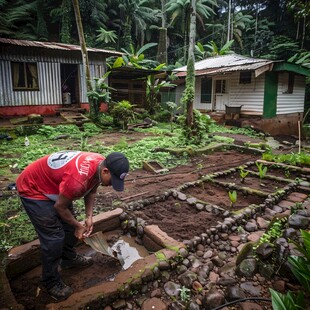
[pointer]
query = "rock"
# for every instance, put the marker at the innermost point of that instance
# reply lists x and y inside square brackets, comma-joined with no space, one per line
[197,286]
[266,270]
[199,206]
[298,221]
[264,250]
[154,303]
[226,281]
[208,254]
[255,236]
[250,226]
[156,293]
[191,200]
[214,298]
[234,293]
[246,251]
[279,286]
[193,306]
[172,289]
[251,289]
[181,269]
[262,223]
[119,304]
[217,261]
[187,278]
[213,277]
[181,196]
[247,268]
[250,306]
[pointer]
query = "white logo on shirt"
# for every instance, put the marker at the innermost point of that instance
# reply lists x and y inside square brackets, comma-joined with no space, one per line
[83,167]
[60,159]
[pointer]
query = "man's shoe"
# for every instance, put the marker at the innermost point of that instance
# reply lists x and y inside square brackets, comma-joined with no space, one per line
[79,261]
[60,291]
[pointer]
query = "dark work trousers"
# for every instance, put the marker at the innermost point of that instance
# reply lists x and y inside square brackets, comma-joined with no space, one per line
[56,237]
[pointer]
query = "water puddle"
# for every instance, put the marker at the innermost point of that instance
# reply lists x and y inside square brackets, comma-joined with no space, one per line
[125,249]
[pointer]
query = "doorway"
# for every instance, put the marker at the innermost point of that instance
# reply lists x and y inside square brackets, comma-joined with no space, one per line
[221,95]
[70,83]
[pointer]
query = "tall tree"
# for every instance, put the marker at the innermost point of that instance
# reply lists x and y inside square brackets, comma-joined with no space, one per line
[93,107]
[190,76]
[181,12]
[162,56]
[135,15]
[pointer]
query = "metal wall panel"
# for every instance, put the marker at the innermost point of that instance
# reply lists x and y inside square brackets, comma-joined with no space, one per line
[291,103]
[48,65]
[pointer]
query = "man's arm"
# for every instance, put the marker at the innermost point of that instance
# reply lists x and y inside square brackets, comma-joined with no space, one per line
[89,201]
[62,207]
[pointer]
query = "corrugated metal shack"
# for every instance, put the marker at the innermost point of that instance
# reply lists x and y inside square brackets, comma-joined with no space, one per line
[39,77]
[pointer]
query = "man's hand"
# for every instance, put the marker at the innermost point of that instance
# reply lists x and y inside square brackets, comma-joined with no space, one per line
[89,226]
[62,206]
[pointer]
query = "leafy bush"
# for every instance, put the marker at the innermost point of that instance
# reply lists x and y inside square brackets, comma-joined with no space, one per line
[291,159]
[162,116]
[300,266]
[199,129]
[122,112]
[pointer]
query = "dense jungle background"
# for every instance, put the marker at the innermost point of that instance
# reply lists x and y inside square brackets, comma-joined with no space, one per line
[278,29]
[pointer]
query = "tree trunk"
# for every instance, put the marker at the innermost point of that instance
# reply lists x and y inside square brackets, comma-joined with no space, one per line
[162,46]
[190,77]
[162,55]
[92,105]
[229,21]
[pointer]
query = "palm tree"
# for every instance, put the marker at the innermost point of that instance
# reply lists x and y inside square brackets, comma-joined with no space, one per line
[136,14]
[180,10]
[18,19]
[211,49]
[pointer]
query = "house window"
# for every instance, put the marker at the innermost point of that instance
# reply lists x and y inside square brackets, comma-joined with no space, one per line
[245,77]
[25,76]
[220,86]
[290,83]
[206,89]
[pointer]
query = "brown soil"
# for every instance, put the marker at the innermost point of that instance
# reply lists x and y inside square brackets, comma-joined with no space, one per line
[280,172]
[215,194]
[178,219]
[265,184]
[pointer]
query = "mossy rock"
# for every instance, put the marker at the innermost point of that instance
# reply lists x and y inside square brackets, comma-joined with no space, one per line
[246,252]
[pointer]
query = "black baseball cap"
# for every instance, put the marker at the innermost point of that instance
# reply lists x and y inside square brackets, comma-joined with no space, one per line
[118,166]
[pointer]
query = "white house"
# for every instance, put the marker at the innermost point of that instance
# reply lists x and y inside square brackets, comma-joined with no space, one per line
[262,89]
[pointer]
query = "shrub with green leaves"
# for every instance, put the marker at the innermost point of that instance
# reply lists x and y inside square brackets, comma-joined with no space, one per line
[122,113]
[295,159]
[198,130]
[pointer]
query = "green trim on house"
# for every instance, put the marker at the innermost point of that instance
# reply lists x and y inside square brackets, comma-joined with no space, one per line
[270,95]
[284,66]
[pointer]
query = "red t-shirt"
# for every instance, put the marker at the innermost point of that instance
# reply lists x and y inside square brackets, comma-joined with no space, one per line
[70,173]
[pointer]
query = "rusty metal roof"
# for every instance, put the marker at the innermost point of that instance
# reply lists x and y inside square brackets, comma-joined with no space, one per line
[55,46]
[226,63]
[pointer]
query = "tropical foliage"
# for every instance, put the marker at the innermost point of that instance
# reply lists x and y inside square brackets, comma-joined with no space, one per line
[279,29]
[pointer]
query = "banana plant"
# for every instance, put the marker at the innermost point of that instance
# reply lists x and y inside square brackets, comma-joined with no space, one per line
[262,170]
[232,197]
[243,174]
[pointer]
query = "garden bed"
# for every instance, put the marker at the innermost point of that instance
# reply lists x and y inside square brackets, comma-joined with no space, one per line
[217,194]
[179,219]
